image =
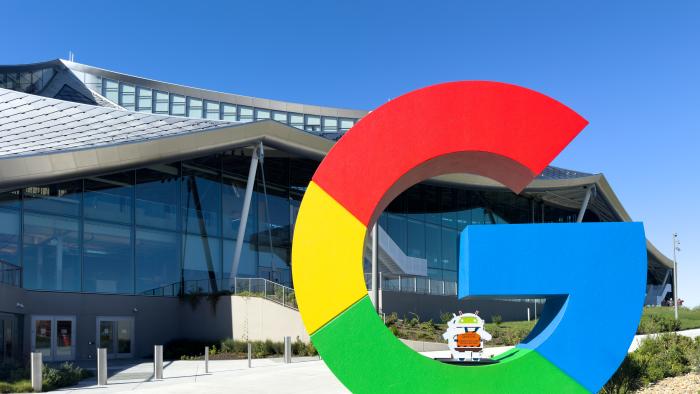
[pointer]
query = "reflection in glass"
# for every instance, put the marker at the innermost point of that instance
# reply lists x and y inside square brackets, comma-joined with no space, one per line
[107,335]
[201,196]
[64,339]
[194,107]
[128,97]
[162,103]
[51,253]
[109,197]
[201,263]
[124,336]
[177,105]
[42,338]
[107,261]
[157,195]
[59,198]
[9,237]
[144,100]
[228,112]
[211,109]
[157,262]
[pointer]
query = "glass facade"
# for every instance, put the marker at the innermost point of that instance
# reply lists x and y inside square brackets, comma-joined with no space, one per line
[27,81]
[172,227]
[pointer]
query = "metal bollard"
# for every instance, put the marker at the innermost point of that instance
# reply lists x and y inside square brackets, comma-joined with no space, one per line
[528,313]
[206,359]
[158,362]
[250,354]
[287,350]
[101,366]
[37,366]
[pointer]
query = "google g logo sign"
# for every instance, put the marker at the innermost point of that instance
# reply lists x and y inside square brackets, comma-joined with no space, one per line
[592,274]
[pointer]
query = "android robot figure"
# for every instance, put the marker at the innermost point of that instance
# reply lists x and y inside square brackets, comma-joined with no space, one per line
[465,337]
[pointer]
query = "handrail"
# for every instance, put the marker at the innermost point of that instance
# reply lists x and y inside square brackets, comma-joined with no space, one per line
[251,287]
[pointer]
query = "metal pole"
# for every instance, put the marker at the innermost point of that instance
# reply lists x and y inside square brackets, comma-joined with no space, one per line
[375,268]
[102,366]
[257,154]
[675,276]
[287,350]
[36,367]
[250,354]
[528,313]
[206,359]
[584,206]
[158,362]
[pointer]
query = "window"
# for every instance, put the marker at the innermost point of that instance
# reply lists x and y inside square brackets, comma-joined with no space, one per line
[109,197]
[144,100]
[245,114]
[157,190]
[128,97]
[212,110]
[92,81]
[9,237]
[346,124]
[162,103]
[201,262]
[279,116]
[107,258]
[313,123]
[157,262]
[201,197]
[59,198]
[261,114]
[177,105]
[296,120]
[51,253]
[110,90]
[194,107]
[229,112]
[330,125]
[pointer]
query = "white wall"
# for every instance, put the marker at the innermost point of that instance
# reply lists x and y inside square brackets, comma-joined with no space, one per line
[256,319]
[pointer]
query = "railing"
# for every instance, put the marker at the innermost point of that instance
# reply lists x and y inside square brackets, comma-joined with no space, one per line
[250,287]
[10,274]
[413,284]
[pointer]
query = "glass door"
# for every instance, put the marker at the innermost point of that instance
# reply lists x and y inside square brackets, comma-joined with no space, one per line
[116,334]
[54,337]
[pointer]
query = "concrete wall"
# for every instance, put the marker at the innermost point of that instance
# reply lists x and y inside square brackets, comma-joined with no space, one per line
[431,306]
[157,320]
[259,319]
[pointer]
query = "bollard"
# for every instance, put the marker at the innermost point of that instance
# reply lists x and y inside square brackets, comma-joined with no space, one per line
[158,362]
[37,366]
[206,359]
[287,350]
[102,366]
[528,313]
[250,351]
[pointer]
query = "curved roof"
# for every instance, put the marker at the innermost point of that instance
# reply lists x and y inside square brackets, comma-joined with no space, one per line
[46,140]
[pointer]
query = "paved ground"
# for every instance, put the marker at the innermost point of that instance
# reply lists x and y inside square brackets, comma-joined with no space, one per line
[266,376]
[304,375]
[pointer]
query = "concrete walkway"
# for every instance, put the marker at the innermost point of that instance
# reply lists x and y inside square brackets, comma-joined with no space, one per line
[304,375]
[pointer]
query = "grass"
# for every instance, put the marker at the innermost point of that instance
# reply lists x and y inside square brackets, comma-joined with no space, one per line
[689,318]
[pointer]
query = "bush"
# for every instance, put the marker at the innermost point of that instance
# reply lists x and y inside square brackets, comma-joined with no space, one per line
[659,357]
[391,319]
[654,323]
[65,375]
[496,319]
[23,386]
[445,317]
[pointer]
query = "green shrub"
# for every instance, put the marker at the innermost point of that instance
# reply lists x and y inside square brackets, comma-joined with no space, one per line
[65,375]
[496,319]
[22,386]
[654,323]
[445,317]
[659,357]
[391,319]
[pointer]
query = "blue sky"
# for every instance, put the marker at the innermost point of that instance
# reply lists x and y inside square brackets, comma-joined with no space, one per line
[632,68]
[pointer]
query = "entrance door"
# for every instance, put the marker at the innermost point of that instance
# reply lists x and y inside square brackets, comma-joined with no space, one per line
[54,337]
[116,334]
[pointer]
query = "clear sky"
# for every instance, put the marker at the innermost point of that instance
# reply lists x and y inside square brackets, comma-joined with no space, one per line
[632,68]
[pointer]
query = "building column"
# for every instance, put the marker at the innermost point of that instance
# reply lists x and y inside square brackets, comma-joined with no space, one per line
[375,269]
[258,155]
[584,205]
